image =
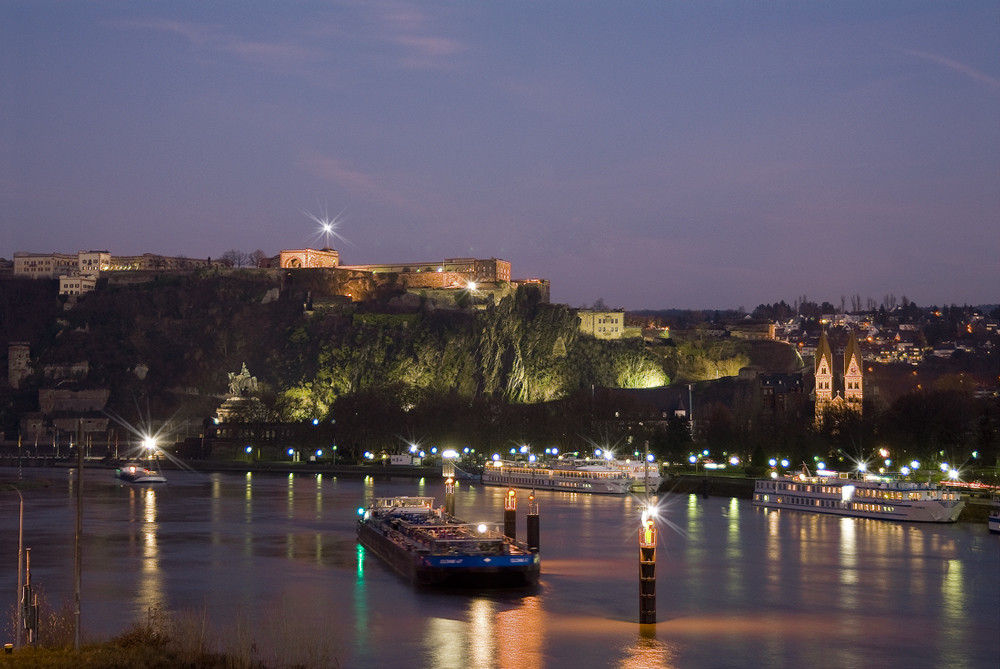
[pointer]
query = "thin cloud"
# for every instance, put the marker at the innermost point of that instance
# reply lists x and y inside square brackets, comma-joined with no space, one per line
[428,52]
[211,37]
[336,172]
[955,66]
[409,29]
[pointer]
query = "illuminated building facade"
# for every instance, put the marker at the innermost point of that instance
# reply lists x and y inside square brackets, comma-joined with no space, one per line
[459,270]
[306,258]
[602,324]
[851,395]
[78,273]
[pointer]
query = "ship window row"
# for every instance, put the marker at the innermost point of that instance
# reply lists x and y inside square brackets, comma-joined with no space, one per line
[879,508]
[567,473]
[826,503]
[562,484]
[861,492]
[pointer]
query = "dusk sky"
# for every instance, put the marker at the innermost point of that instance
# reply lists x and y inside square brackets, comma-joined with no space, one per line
[659,154]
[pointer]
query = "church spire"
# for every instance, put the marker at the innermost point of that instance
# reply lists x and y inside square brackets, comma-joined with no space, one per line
[823,373]
[853,391]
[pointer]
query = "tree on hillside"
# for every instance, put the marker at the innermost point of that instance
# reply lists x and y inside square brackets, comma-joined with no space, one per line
[235,258]
[258,258]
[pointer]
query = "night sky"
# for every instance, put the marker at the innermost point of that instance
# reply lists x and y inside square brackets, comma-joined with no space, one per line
[658,154]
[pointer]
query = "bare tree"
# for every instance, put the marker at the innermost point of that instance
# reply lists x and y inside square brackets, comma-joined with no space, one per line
[258,259]
[234,258]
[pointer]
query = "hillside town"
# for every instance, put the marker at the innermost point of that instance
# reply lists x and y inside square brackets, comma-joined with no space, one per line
[831,359]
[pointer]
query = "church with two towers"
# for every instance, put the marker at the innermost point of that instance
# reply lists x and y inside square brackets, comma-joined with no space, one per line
[838,390]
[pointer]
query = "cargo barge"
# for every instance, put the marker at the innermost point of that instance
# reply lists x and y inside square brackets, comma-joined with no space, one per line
[430,547]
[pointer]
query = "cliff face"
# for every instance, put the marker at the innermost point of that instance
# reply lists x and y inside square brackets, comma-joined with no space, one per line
[175,339]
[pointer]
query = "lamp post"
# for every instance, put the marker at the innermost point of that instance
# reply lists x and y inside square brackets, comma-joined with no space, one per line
[647,569]
[510,514]
[20,565]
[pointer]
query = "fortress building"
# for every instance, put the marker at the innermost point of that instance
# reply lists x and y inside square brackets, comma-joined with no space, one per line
[78,273]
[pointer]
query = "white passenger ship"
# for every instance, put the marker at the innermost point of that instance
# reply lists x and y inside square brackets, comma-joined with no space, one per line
[871,497]
[641,473]
[569,476]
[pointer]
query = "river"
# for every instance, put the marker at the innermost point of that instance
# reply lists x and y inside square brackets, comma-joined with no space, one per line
[268,566]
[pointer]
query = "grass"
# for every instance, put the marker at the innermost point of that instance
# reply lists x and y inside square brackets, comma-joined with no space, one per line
[177,641]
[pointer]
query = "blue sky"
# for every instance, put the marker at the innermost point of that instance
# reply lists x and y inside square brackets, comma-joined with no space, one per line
[653,154]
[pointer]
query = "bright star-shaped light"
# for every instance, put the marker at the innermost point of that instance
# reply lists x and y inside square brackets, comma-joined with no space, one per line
[327,225]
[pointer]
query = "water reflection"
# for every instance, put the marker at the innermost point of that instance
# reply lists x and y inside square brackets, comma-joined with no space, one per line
[143,513]
[737,586]
[520,632]
[493,634]
[734,552]
[953,597]
[319,495]
[647,653]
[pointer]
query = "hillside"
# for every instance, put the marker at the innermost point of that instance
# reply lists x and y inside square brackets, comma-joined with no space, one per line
[171,344]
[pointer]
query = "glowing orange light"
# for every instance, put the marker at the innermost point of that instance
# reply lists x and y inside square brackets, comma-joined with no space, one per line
[647,535]
[510,502]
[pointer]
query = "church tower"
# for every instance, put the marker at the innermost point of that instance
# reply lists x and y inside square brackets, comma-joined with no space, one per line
[824,376]
[824,369]
[853,392]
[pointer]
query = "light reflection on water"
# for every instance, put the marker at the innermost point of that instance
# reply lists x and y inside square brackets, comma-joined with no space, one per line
[746,586]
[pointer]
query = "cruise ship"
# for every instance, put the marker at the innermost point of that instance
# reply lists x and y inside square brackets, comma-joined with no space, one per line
[876,497]
[565,475]
[643,474]
[431,547]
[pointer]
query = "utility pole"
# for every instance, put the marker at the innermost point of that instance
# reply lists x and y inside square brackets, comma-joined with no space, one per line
[20,568]
[79,551]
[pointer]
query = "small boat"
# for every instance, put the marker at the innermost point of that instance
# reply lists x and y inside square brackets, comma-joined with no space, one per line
[878,497]
[431,547]
[135,472]
[572,475]
[994,519]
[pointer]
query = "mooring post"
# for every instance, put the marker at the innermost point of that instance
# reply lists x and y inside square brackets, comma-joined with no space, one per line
[510,514]
[449,496]
[532,523]
[29,603]
[647,570]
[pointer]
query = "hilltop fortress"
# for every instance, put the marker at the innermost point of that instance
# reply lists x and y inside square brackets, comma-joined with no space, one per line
[78,273]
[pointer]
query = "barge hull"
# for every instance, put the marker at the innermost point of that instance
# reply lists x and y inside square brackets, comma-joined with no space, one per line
[497,571]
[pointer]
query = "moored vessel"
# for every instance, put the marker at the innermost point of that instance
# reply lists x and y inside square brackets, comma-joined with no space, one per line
[878,497]
[431,547]
[994,520]
[643,474]
[564,475]
[135,472]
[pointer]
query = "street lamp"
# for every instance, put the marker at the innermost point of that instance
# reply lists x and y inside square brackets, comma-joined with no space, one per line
[20,566]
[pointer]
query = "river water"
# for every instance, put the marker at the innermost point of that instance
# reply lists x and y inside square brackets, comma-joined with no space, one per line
[268,566]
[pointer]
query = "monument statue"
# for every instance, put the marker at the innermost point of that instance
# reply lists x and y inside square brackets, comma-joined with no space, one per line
[242,384]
